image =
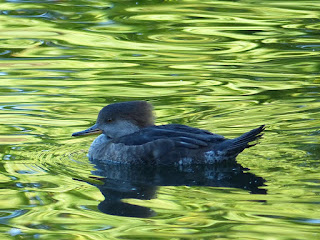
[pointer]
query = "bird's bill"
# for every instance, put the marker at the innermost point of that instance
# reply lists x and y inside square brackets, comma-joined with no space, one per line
[92,130]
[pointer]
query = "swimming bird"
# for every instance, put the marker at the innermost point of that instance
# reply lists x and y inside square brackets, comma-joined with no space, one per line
[128,135]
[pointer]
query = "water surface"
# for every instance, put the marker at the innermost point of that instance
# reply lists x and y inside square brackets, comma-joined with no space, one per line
[225,66]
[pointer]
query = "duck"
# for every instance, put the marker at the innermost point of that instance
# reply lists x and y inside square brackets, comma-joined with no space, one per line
[128,135]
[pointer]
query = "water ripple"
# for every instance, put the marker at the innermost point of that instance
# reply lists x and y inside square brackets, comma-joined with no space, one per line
[225,66]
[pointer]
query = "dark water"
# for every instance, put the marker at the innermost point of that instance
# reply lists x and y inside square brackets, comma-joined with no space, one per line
[225,66]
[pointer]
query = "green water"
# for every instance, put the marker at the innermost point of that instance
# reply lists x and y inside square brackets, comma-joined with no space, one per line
[225,66]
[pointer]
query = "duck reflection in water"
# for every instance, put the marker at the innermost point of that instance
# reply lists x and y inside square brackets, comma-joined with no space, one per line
[135,156]
[125,181]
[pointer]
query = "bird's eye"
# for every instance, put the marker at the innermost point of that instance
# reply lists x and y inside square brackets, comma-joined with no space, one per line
[109,120]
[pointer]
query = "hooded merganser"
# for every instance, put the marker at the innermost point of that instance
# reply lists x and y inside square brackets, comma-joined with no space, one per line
[128,135]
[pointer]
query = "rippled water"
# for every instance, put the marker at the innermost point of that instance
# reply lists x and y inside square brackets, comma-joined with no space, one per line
[226,66]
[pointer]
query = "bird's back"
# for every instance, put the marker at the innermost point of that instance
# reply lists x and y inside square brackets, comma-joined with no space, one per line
[173,144]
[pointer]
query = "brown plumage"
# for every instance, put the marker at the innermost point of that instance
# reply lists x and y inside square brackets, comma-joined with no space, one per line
[130,136]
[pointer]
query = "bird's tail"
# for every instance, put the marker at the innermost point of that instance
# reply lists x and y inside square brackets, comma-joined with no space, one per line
[237,145]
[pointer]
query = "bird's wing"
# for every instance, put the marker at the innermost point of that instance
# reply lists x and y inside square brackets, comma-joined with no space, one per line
[180,135]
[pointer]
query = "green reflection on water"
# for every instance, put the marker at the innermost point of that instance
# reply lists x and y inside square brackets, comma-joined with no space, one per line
[224,66]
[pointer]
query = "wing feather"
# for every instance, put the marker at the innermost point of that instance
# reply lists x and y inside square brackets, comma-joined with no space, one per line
[181,135]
